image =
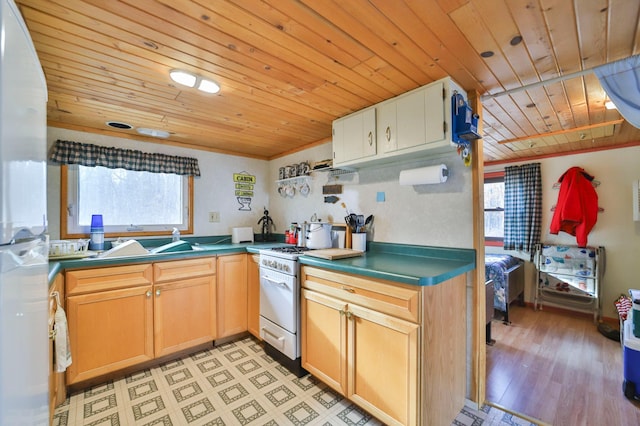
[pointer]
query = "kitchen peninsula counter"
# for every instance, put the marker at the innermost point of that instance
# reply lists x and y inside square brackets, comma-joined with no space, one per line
[408,264]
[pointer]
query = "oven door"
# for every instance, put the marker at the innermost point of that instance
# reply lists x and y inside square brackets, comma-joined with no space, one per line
[279,299]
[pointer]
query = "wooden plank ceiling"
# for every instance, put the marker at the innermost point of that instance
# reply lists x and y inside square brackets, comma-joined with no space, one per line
[288,68]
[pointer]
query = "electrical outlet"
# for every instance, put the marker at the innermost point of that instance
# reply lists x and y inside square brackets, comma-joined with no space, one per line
[214,216]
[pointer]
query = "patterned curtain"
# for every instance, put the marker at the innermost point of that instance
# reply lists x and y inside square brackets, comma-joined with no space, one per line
[621,81]
[522,207]
[67,152]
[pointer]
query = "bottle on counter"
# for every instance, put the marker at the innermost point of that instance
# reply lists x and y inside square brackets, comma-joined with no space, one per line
[97,233]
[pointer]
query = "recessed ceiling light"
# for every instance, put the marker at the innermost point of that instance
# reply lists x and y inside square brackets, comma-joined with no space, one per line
[183,77]
[486,54]
[516,40]
[208,86]
[153,132]
[610,105]
[119,125]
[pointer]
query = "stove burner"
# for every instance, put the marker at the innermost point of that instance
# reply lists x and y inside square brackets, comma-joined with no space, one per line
[292,250]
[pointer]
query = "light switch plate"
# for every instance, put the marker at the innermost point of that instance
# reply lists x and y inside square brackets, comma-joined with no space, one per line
[214,216]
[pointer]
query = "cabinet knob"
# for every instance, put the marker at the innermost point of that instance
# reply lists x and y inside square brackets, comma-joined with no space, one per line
[158,292]
[370,138]
[148,293]
[388,133]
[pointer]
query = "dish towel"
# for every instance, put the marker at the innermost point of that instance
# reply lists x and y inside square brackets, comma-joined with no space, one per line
[61,339]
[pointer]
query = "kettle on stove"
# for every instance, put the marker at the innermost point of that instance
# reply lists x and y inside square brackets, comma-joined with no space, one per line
[318,235]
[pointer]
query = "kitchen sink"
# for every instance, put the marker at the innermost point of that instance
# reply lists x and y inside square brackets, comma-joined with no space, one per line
[173,247]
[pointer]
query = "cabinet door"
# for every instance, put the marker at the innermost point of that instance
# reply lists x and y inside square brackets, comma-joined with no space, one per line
[232,295]
[355,136]
[324,339]
[383,365]
[435,113]
[387,127]
[108,331]
[411,120]
[253,294]
[184,314]
[57,387]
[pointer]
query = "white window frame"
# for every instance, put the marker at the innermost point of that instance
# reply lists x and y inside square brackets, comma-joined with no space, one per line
[70,228]
[494,178]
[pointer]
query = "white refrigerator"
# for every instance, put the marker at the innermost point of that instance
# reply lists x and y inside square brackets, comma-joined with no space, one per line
[24,347]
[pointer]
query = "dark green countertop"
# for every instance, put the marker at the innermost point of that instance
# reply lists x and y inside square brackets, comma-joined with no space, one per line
[409,264]
[202,250]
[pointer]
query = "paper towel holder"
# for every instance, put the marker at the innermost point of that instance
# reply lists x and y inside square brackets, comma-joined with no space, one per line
[425,175]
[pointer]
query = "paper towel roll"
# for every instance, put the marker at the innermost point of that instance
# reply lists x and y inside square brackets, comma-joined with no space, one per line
[424,175]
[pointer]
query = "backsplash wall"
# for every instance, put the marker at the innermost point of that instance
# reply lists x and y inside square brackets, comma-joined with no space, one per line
[437,215]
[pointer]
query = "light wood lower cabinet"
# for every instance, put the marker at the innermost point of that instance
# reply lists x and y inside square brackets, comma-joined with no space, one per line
[253,295]
[232,294]
[398,351]
[57,388]
[184,313]
[109,330]
[368,356]
[122,316]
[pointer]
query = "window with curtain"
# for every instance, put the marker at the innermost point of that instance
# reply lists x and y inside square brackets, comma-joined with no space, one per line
[137,193]
[523,207]
[494,208]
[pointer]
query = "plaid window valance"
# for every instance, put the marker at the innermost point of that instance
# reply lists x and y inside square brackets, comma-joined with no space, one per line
[67,152]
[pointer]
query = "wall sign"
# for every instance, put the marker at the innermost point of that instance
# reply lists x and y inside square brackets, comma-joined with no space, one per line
[244,183]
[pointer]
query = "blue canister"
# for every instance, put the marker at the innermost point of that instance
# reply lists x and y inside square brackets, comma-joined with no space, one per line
[97,233]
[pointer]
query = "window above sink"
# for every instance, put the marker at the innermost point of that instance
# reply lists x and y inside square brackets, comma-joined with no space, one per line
[132,203]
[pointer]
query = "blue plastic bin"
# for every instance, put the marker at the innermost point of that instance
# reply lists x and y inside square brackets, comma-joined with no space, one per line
[631,362]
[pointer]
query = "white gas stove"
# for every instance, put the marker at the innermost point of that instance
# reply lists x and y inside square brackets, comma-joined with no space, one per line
[280,305]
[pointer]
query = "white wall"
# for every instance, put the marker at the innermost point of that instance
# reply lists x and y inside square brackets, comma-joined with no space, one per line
[435,215]
[214,189]
[615,229]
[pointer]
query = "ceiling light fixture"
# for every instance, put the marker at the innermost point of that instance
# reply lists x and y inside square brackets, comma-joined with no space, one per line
[192,80]
[610,105]
[183,77]
[153,132]
[208,86]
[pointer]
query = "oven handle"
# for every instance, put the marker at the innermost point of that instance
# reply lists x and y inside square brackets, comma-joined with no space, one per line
[279,339]
[272,281]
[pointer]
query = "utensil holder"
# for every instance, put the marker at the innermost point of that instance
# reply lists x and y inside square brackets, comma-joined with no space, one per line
[359,241]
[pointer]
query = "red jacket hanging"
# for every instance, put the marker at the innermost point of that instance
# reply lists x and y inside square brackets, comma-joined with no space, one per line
[577,209]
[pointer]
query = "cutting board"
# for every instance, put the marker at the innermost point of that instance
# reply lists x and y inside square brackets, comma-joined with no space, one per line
[334,253]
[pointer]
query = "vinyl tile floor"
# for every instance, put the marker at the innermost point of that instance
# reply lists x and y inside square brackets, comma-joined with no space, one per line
[232,384]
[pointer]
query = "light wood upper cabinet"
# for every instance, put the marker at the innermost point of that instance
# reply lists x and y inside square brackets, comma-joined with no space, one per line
[232,294]
[253,294]
[354,137]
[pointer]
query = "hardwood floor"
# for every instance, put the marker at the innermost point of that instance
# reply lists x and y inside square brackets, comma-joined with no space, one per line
[557,368]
